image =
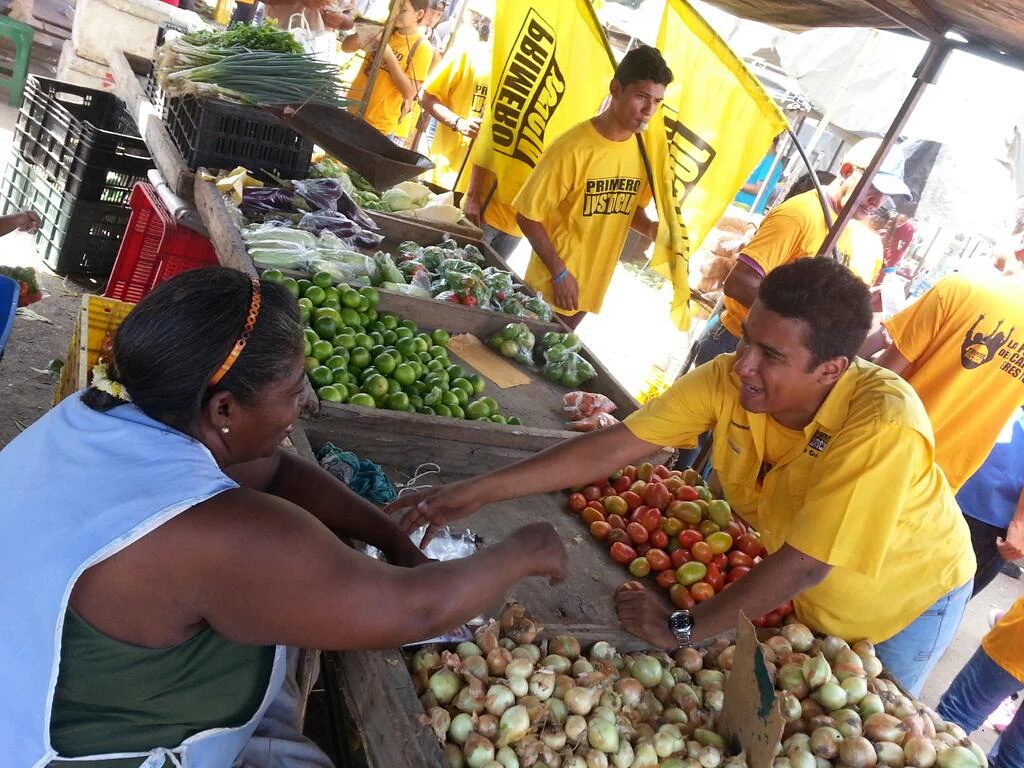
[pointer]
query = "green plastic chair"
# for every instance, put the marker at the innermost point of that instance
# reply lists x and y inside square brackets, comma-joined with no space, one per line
[20,34]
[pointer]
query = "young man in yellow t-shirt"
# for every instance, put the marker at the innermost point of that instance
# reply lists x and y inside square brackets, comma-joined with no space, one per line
[404,66]
[995,672]
[828,456]
[589,187]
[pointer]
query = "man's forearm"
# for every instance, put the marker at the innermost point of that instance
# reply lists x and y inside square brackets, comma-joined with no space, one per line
[541,243]
[742,284]
[404,85]
[433,107]
[642,224]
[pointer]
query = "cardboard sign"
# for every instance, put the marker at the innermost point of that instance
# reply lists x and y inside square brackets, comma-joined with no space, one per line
[751,719]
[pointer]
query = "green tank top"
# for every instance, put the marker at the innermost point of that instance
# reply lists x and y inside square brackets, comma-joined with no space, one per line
[117,697]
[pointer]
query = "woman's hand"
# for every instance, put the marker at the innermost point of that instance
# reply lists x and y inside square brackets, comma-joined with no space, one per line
[471,209]
[641,614]
[541,543]
[437,506]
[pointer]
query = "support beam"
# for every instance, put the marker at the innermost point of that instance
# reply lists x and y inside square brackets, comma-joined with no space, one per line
[920,26]
[930,15]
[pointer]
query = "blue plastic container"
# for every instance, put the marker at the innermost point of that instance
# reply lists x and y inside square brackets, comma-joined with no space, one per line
[9,289]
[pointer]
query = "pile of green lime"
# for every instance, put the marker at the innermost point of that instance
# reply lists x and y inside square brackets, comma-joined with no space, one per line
[357,355]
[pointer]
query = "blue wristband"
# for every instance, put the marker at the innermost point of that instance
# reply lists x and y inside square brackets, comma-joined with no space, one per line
[560,275]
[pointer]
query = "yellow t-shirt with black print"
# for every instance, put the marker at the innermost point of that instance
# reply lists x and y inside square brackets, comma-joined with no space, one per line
[584,190]
[385,105]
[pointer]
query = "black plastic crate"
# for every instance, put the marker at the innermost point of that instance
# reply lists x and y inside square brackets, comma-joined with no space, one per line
[216,134]
[84,140]
[76,237]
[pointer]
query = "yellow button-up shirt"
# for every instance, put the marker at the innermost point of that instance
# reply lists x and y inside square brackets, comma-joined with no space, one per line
[857,488]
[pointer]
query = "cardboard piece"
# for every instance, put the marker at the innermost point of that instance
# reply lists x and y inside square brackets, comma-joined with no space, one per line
[494,367]
[751,719]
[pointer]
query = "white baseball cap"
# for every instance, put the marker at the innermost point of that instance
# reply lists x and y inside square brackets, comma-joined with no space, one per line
[888,179]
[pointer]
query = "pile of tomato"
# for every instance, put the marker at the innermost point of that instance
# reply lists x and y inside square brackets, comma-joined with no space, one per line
[666,524]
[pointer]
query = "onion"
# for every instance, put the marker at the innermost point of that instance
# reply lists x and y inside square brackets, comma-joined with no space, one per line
[666,744]
[477,750]
[542,684]
[487,726]
[905,708]
[792,680]
[872,666]
[816,671]
[675,715]
[557,711]
[562,684]
[570,760]
[426,659]
[527,651]
[801,758]
[864,648]
[582,666]
[601,651]
[454,756]
[709,757]
[624,756]
[693,749]
[830,696]
[523,631]
[914,725]
[514,725]
[856,689]
[645,756]
[919,752]
[957,757]
[797,741]
[553,737]
[956,731]
[518,686]
[799,637]
[890,754]
[810,709]
[725,658]
[710,678]
[519,668]
[793,658]
[579,701]
[832,645]
[596,759]
[471,699]
[647,670]
[507,758]
[978,753]
[947,739]
[507,643]
[575,728]
[847,656]
[708,738]
[848,723]
[462,650]
[602,735]
[685,696]
[564,645]
[428,700]
[689,659]
[789,707]
[714,699]
[476,666]
[611,700]
[444,684]
[498,661]
[557,664]
[630,689]
[498,699]
[779,645]
[822,763]
[603,713]
[870,705]
[781,762]
[857,752]
[825,743]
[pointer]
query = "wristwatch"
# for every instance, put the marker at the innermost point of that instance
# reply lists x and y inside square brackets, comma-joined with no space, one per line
[680,623]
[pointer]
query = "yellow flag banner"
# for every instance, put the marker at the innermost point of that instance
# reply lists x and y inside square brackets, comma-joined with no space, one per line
[714,127]
[551,71]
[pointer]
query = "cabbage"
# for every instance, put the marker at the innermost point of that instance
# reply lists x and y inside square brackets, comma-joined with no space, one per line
[397,200]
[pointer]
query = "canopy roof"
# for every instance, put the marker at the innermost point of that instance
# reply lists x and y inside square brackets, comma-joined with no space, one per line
[991,27]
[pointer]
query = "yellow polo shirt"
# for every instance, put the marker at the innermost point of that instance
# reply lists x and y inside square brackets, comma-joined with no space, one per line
[584,190]
[1005,641]
[385,104]
[794,230]
[963,340]
[857,488]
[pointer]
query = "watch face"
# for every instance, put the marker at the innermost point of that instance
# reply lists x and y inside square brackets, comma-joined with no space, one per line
[680,622]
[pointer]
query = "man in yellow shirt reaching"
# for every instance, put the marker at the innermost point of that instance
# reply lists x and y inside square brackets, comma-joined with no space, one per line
[828,456]
[404,67]
[588,189]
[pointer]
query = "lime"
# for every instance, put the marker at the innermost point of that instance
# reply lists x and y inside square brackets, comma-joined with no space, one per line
[376,386]
[323,280]
[440,337]
[272,275]
[405,347]
[371,295]
[350,298]
[415,402]
[478,382]
[514,420]
[457,411]
[371,313]
[304,302]
[455,372]
[307,348]
[442,410]
[394,387]
[509,348]
[378,338]
[390,338]
[397,402]
[438,353]
[315,294]
[346,340]
[385,363]
[361,398]
[331,294]
[322,350]
[432,396]
[367,373]
[330,393]
[426,410]
[435,365]
[437,379]
[321,376]
[377,349]
[478,410]
[304,285]
[492,404]
[311,363]
[310,335]
[389,320]
[499,419]
[304,315]
[325,327]
[403,333]
[349,316]
[337,362]
[424,357]
[463,398]
[404,374]
[409,324]
[360,357]
[331,304]
[323,311]
[363,340]
[448,398]
[292,285]
[364,303]
[340,377]
[363,317]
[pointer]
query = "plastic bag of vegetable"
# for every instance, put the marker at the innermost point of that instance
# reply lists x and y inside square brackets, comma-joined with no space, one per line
[571,370]
[347,267]
[269,258]
[257,200]
[500,282]
[409,250]
[348,206]
[414,290]
[515,341]
[321,194]
[555,345]
[539,307]
[332,221]
[513,305]
[388,271]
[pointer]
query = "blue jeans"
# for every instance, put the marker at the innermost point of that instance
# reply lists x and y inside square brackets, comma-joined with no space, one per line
[502,242]
[910,655]
[974,694]
[714,341]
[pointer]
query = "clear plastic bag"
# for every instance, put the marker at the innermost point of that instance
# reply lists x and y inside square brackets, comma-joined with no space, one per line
[580,405]
[515,341]
[571,370]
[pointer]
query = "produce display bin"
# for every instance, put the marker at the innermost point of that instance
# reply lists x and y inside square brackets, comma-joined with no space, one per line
[98,321]
[84,140]
[216,134]
[154,248]
[76,237]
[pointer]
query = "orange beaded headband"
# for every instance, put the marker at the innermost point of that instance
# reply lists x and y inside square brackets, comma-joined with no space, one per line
[250,323]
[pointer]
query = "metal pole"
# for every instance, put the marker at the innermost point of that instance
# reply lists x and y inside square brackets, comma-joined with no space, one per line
[421,126]
[389,26]
[926,74]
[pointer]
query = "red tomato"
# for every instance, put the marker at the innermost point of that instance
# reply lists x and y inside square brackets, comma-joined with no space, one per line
[645,470]
[749,545]
[592,493]
[758,622]
[640,567]
[784,610]
[671,526]
[687,493]
[577,501]
[673,545]
[714,577]
[642,549]
[719,541]
[739,559]
[735,529]
[622,553]
[618,536]
[680,556]
[614,505]
[632,500]
[591,516]
[607,490]
[681,597]
[662,471]
[721,561]
[707,527]
[636,514]
[599,529]
[702,591]
[596,505]
[702,552]
[650,519]
[617,522]
[637,533]
[638,487]
[689,538]
[622,484]
[659,539]
[658,559]
[772,619]
[666,579]
[657,495]
[736,573]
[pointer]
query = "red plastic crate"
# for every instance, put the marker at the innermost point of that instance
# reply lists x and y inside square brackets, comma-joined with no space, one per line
[154,248]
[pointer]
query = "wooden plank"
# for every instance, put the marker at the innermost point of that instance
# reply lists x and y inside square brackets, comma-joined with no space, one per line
[226,239]
[467,231]
[126,85]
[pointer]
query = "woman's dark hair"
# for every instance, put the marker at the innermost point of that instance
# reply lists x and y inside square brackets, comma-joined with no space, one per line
[170,345]
[804,183]
[643,63]
[832,301]
[481,24]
